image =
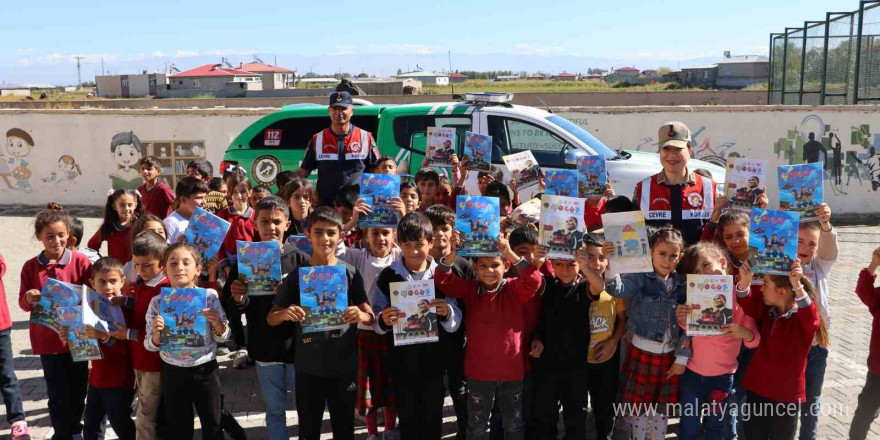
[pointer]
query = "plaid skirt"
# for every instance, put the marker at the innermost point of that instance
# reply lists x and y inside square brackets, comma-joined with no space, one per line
[374,383]
[644,380]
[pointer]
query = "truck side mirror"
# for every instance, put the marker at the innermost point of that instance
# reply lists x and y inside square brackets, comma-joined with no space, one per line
[573,154]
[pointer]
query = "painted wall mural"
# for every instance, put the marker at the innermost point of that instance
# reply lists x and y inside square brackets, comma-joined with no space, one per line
[126,150]
[15,168]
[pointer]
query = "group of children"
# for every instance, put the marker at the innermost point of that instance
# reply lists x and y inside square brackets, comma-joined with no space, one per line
[521,336]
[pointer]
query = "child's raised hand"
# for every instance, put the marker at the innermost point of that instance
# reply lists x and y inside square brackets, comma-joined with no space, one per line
[681,314]
[361,207]
[158,324]
[32,296]
[536,349]
[503,245]
[539,256]
[93,333]
[398,206]
[762,201]
[390,316]
[676,370]
[293,313]
[354,315]
[213,262]
[454,160]
[238,289]
[609,191]
[797,271]
[512,185]
[746,276]
[736,331]
[424,162]
[213,317]
[823,211]
[608,248]
[875,261]
[441,306]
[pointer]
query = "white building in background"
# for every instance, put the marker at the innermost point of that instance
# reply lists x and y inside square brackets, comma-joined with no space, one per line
[273,77]
[427,77]
[129,86]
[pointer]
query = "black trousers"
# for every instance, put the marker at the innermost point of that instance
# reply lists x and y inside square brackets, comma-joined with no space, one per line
[769,420]
[109,404]
[66,385]
[570,388]
[458,392]
[236,339]
[602,381]
[419,404]
[338,393]
[185,387]
[868,408]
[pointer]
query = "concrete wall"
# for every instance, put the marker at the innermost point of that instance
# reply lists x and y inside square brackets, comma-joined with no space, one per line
[768,132]
[15,92]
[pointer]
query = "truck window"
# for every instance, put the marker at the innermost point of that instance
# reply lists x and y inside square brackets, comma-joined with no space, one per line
[406,126]
[511,136]
[296,133]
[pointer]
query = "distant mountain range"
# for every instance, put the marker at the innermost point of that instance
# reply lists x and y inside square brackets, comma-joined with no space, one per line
[63,72]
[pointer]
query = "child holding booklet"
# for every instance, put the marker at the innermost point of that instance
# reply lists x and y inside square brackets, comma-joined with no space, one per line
[710,371]
[869,399]
[299,194]
[194,381]
[271,348]
[326,362]
[11,392]
[66,380]
[191,193]
[660,350]
[495,324]
[417,370]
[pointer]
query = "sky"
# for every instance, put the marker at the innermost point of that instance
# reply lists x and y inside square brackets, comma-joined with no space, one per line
[39,39]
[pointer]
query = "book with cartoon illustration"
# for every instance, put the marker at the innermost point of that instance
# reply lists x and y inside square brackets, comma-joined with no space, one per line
[55,294]
[710,304]
[477,218]
[630,237]
[592,176]
[417,322]
[561,228]
[528,212]
[477,151]
[441,146]
[301,242]
[801,189]
[99,313]
[81,348]
[259,266]
[323,294]
[378,191]
[186,328]
[773,241]
[561,183]
[523,168]
[745,182]
[206,232]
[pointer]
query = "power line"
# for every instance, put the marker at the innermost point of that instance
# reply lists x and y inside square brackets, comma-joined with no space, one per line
[79,72]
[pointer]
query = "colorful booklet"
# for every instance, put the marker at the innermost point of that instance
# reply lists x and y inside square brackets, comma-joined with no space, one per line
[561,229]
[378,191]
[801,189]
[323,294]
[477,220]
[710,302]
[259,266]
[746,181]
[773,237]
[99,313]
[81,348]
[592,176]
[561,183]
[55,294]
[206,232]
[477,151]
[630,237]
[185,326]
[416,324]
[523,168]
[441,146]
[528,212]
[301,242]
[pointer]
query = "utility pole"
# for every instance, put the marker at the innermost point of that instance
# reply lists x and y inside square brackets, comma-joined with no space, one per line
[78,72]
[450,72]
[102,65]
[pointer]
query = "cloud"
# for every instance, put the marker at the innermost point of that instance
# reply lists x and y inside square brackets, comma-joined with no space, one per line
[57,58]
[158,54]
[25,51]
[224,52]
[179,53]
[342,50]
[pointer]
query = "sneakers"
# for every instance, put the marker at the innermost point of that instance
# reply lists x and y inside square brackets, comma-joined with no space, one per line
[240,360]
[20,431]
[392,435]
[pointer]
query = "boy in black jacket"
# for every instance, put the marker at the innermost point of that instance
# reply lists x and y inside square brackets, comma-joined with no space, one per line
[271,347]
[416,370]
[564,328]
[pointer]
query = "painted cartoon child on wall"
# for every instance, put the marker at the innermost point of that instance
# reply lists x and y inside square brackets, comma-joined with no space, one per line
[18,145]
[68,170]
[126,149]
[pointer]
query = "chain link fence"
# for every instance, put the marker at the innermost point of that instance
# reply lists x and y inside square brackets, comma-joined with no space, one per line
[830,62]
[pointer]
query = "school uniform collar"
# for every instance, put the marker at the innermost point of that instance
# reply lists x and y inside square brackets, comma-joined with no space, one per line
[119,227]
[156,280]
[690,179]
[774,312]
[63,261]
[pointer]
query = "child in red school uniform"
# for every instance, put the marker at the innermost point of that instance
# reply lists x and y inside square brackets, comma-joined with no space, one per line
[869,399]
[111,379]
[10,390]
[123,207]
[299,194]
[157,196]
[66,380]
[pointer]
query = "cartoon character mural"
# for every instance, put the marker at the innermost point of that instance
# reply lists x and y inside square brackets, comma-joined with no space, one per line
[18,145]
[702,147]
[126,150]
[68,171]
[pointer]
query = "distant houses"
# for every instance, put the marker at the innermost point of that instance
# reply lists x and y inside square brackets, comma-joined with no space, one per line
[426,77]
[457,78]
[565,76]
[733,72]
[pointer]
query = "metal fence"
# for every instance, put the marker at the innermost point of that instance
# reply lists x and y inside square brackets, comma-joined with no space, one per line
[830,62]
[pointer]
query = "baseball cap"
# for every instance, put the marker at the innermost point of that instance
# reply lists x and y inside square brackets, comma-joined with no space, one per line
[340,99]
[674,134]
